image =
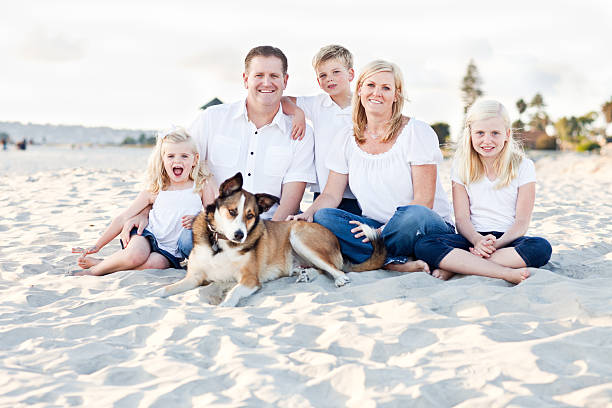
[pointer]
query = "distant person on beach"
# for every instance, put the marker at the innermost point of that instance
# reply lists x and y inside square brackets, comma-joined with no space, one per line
[177,187]
[493,198]
[329,112]
[390,163]
[4,142]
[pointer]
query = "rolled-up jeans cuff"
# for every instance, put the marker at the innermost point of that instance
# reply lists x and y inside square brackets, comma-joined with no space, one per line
[396,260]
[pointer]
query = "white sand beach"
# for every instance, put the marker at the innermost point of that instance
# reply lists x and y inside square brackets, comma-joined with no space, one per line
[385,340]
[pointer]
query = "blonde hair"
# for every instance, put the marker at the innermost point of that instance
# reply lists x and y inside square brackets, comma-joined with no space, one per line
[330,52]
[360,120]
[470,166]
[157,178]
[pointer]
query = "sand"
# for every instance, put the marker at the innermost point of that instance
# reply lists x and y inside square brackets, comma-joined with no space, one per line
[386,340]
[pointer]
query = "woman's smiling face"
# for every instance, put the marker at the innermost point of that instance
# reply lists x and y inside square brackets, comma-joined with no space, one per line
[377,93]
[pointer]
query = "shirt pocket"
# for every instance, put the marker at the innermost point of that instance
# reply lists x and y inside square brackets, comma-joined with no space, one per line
[277,161]
[224,152]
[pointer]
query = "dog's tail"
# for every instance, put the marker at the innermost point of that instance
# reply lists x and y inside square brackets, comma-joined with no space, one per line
[379,253]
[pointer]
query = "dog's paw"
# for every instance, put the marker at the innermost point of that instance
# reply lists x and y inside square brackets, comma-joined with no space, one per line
[341,281]
[307,275]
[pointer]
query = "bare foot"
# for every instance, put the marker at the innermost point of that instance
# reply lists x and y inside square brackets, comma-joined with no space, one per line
[87,262]
[517,275]
[412,266]
[442,274]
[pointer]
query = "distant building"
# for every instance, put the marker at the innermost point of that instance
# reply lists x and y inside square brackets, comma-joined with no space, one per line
[212,102]
[537,139]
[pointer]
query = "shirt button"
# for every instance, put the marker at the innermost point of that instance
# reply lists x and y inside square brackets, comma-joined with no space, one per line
[255,132]
[249,174]
[252,153]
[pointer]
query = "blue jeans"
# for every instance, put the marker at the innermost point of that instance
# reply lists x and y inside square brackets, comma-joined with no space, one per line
[185,242]
[399,235]
[534,251]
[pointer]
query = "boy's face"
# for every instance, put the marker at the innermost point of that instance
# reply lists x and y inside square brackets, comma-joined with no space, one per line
[334,78]
[265,81]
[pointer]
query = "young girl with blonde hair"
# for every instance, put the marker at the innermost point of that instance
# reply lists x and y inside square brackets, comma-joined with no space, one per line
[177,186]
[493,198]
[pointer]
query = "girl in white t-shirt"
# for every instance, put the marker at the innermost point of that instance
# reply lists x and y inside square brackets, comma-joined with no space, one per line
[177,186]
[493,197]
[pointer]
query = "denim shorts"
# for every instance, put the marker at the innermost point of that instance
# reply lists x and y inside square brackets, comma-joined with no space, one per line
[534,251]
[174,261]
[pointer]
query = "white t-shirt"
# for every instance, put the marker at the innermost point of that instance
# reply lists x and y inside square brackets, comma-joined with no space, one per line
[495,209]
[267,157]
[382,182]
[165,216]
[328,120]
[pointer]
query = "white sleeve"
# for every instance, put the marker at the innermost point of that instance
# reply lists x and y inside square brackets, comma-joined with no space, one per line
[423,146]
[306,103]
[337,157]
[200,131]
[302,163]
[526,173]
[455,173]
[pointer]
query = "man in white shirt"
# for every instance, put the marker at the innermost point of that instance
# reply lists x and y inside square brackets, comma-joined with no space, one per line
[254,137]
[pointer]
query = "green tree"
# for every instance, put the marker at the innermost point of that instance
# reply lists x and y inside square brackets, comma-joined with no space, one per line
[539,119]
[443,131]
[470,86]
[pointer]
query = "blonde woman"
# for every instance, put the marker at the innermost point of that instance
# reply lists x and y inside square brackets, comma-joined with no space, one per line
[177,188]
[493,197]
[390,162]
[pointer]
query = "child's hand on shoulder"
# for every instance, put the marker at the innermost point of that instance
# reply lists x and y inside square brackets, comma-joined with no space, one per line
[298,125]
[485,246]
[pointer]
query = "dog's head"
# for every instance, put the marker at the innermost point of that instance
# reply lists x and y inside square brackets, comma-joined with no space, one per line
[235,212]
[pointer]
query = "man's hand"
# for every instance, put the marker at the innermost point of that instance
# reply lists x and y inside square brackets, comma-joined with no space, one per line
[187,221]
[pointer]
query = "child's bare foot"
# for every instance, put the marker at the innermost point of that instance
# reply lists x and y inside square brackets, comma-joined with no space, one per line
[87,262]
[517,275]
[411,266]
[442,274]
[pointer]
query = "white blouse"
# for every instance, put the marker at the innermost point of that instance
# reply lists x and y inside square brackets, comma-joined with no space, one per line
[494,209]
[382,182]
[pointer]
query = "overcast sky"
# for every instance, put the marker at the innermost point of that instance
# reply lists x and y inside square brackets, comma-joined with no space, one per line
[147,64]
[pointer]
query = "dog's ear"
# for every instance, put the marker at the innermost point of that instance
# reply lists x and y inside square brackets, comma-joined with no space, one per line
[265,201]
[231,185]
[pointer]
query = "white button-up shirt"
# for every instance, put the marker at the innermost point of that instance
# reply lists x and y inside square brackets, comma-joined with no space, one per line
[328,121]
[267,157]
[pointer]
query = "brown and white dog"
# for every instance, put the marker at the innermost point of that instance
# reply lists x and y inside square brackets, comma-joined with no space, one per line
[232,244]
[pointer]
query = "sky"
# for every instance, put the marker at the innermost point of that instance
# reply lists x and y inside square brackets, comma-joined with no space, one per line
[149,64]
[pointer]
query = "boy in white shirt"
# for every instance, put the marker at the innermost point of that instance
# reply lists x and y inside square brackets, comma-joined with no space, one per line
[329,112]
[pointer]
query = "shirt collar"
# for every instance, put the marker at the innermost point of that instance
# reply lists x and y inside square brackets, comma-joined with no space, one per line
[278,120]
[328,102]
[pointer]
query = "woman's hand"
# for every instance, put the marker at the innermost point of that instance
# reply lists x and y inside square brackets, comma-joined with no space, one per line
[485,246]
[300,217]
[187,221]
[358,230]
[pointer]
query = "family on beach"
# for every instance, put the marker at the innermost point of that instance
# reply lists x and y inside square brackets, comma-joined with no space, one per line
[366,163]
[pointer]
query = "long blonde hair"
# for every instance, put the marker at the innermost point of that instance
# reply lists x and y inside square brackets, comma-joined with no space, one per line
[157,178]
[359,116]
[469,165]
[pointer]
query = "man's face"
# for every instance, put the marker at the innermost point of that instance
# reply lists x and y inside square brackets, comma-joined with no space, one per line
[265,81]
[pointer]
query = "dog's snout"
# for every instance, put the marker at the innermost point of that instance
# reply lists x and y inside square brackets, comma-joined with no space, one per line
[238,235]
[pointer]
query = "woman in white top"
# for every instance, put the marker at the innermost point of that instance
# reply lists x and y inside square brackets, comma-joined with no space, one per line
[177,188]
[390,163]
